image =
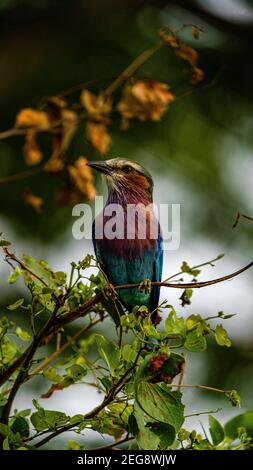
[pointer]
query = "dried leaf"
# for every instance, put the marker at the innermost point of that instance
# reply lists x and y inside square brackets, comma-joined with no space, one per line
[97,107]
[55,106]
[29,117]
[54,165]
[36,202]
[69,125]
[185,52]
[99,136]
[197,75]
[32,152]
[169,38]
[145,100]
[81,175]
[188,54]
[196,32]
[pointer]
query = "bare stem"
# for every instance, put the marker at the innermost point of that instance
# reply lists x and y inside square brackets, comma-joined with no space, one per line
[191,285]
[207,263]
[131,69]
[21,176]
[13,257]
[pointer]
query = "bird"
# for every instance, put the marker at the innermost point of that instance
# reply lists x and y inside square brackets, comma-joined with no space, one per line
[129,258]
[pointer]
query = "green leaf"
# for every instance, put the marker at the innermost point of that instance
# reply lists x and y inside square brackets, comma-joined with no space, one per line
[23,334]
[174,324]
[165,432]
[9,350]
[5,431]
[14,275]
[47,419]
[221,336]
[76,419]
[106,382]
[21,426]
[129,353]
[4,243]
[233,397]
[51,374]
[216,430]
[185,268]
[73,445]
[160,367]
[144,436]
[192,321]
[60,278]
[244,420]
[16,305]
[160,403]
[186,297]
[76,372]
[6,445]
[194,342]
[110,352]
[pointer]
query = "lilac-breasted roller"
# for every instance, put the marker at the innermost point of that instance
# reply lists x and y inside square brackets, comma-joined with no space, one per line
[133,253]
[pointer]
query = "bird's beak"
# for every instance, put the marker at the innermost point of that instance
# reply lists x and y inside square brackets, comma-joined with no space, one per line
[100,166]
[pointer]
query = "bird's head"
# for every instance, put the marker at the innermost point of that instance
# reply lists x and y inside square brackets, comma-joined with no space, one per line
[124,175]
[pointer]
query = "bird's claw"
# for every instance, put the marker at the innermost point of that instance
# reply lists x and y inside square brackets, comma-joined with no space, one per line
[145,286]
[109,291]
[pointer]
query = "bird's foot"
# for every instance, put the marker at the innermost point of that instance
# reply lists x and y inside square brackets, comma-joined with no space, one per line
[109,291]
[145,286]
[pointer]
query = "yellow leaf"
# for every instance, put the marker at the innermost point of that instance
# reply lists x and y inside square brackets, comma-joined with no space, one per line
[36,202]
[187,53]
[29,117]
[81,175]
[99,136]
[97,106]
[197,75]
[145,100]
[32,152]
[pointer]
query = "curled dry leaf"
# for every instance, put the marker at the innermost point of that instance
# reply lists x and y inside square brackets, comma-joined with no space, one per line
[145,100]
[82,178]
[55,164]
[188,54]
[36,202]
[65,123]
[196,31]
[99,136]
[31,150]
[197,75]
[29,117]
[98,107]
[184,52]
[169,38]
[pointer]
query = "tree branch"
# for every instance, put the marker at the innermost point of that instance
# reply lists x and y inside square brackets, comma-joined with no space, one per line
[109,397]
[13,257]
[190,285]
[85,308]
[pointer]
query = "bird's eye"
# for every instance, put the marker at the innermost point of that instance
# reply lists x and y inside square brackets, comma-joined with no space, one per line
[127,169]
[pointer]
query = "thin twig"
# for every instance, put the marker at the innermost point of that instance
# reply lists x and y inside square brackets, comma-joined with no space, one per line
[58,352]
[190,285]
[238,216]
[204,413]
[13,257]
[114,444]
[21,176]
[109,397]
[87,307]
[201,265]
[131,69]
